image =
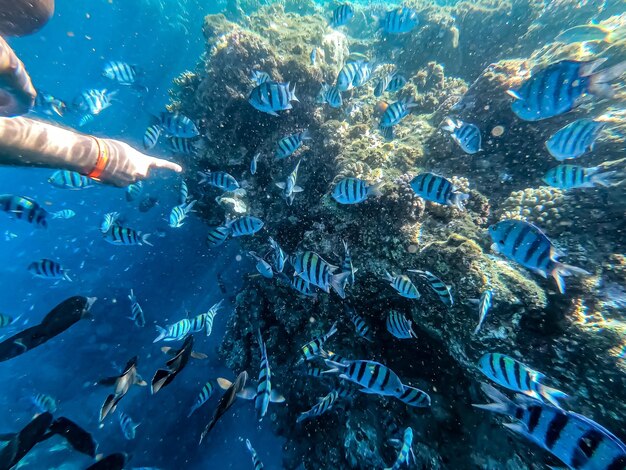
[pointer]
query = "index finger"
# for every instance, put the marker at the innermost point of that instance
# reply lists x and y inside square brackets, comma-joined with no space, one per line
[160,163]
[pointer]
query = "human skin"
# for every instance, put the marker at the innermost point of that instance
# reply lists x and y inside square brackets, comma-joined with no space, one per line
[21,17]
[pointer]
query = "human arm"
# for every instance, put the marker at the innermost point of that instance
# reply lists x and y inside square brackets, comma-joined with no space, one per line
[17,94]
[27,142]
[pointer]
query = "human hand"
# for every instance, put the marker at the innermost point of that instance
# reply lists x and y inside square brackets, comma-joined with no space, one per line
[127,165]
[17,94]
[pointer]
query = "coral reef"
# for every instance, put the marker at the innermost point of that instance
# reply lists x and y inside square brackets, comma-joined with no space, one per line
[577,339]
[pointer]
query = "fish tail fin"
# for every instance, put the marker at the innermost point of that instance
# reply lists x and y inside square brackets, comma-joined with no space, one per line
[144,239]
[162,334]
[551,394]
[292,92]
[305,135]
[337,282]
[600,82]
[562,270]
[374,190]
[605,179]
[501,403]
[204,176]
[388,277]
[458,200]
[332,331]
[161,378]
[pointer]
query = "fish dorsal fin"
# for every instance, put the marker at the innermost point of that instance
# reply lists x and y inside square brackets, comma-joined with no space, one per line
[223,383]
[276,397]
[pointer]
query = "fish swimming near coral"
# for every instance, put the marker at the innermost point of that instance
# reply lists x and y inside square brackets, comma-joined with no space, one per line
[258,77]
[373,377]
[133,191]
[174,332]
[575,440]
[217,235]
[355,190]
[577,177]
[124,74]
[129,427]
[484,304]
[560,87]
[64,179]
[465,134]
[530,247]
[362,328]
[290,186]
[226,401]
[575,139]
[586,33]
[58,320]
[24,208]
[406,451]
[136,312]
[514,375]
[330,95]
[179,214]
[48,269]
[353,75]
[175,365]
[414,397]
[279,256]
[91,103]
[399,326]
[396,112]
[270,97]
[203,397]
[262,266]
[108,221]
[314,348]
[63,214]
[314,269]
[121,385]
[254,163]
[399,21]
[288,145]
[126,236]
[176,124]
[435,188]
[342,15]
[218,179]
[438,286]
[247,225]
[403,285]
[321,407]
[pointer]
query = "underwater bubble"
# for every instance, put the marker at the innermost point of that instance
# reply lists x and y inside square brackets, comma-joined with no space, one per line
[497,131]
[412,248]
[238,258]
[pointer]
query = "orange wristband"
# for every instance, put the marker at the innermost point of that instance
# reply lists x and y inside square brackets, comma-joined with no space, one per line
[101,162]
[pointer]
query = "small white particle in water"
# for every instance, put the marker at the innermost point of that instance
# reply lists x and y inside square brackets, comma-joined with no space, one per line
[238,258]
[113,301]
[311,320]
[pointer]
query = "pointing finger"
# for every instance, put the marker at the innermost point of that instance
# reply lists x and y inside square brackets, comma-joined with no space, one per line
[159,163]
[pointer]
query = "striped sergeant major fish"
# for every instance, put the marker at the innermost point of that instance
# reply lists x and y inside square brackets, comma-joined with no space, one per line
[133,191]
[511,374]
[312,268]
[48,269]
[270,97]
[341,15]
[254,163]
[64,179]
[321,407]
[414,397]
[315,347]
[466,135]
[484,304]
[353,75]
[176,124]
[109,219]
[346,265]
[44,403]
[47,104]
[136,312]
[575,440]
[179,214]
[530,247]
[313,371]
[24,208]
[577,177]
[288,145]
[399,326]
[123,74]
[202,398]
[382,84]
[210,316]
[258,77]
[151,136]
[262,266]
[121,384]
[396,112]
[405,452]
[279,257]
[217,235]
[399,20]
[403,285]
[63,214]
[374,377]
[362,328]
[91,103]
[355,190]
[247,225]
[129,427]
[330,95]
[391,83]
[386,132]
[290,186]
[434,188]
[126,236]
[174,332]
[184,192]
[441,289]
[560,87]
[575,139]
[264,393]
[218,179]
[256,461]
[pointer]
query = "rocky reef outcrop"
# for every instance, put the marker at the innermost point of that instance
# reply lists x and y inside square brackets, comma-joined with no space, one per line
[459,62]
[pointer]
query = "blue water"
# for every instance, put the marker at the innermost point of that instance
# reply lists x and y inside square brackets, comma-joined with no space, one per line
[177,275]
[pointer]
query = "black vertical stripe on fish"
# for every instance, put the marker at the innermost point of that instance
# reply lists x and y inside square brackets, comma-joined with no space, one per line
[361,371]
[385,381]
[556,426]
[619,463]
[588,444]
[492,364]
[534,417]
[502,364]
[520,238]
[534,246]
[374,376]
[518,374]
